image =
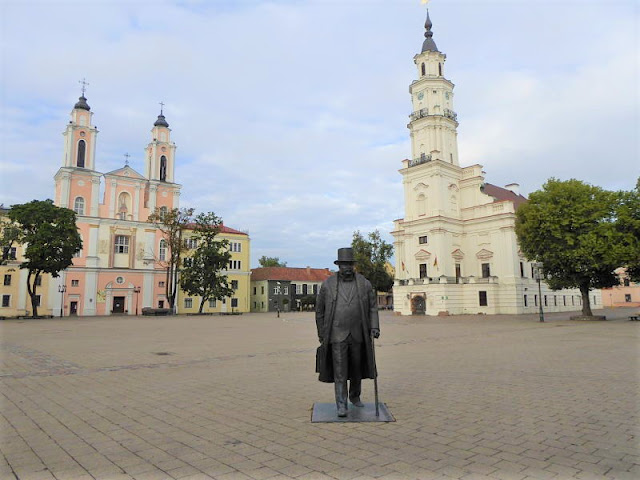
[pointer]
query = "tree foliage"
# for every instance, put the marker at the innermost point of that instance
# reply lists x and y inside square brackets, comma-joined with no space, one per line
[203,277]
[570,227]
[172,224]
[372,254]
[9,235]
[51,238]
[628,226]
[271,262]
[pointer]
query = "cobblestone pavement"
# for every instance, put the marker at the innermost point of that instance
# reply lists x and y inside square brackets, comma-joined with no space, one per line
[230,398]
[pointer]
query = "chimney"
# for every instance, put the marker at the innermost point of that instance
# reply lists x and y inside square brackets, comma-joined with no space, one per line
[514,187]
[308,270]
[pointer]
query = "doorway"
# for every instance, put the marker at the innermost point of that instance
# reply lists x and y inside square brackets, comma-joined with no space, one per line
[418,305]
[118,305]
[73,308]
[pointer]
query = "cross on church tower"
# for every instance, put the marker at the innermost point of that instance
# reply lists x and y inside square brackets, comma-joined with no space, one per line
[84,85]
[126,159]
[161,107]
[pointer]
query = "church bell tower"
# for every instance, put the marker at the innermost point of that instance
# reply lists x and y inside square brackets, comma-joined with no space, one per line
[160,153]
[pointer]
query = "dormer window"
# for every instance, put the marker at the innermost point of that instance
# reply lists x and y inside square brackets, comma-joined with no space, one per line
[82,147]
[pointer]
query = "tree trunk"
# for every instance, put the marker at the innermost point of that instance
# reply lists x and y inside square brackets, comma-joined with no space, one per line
[31,289]
[202,300]
[586,305]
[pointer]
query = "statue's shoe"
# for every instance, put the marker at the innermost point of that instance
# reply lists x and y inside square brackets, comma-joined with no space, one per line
[342,411]
[356,402]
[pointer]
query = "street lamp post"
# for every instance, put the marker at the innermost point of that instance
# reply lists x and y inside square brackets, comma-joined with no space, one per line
[62,289]
[538,269]
[137,292]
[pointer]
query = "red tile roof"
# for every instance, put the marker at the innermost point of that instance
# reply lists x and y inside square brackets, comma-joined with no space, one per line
[223,229]
[291,274]
[501,194]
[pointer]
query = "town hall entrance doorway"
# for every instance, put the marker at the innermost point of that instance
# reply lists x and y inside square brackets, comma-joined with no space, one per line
[418,305]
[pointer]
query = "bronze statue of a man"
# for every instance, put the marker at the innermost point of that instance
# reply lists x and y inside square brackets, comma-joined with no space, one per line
[346,318]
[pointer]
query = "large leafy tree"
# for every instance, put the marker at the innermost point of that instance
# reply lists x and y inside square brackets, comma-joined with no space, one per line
[204,276]
[372,254]
[9,234]
[628,226]
[172,224]
[570,227]
[271,262]
[51,238]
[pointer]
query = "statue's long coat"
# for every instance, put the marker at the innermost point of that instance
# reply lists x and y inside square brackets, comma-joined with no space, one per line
[325,310]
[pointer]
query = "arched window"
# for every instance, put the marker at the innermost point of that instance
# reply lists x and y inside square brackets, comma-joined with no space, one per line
[440,69]
[82,147]
[423,70]
[124,205]
[163,212]
[162,251]
[78,206]
[163,168]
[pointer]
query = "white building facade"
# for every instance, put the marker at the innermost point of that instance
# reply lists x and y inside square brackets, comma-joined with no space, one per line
[456,249]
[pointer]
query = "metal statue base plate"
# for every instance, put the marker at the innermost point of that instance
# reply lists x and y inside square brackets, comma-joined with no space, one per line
[328,413]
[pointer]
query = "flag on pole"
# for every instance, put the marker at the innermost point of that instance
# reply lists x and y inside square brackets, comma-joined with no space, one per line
[403,266]
[435,262]
[424,2]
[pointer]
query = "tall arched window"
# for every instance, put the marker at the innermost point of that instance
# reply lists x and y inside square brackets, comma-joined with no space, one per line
[163,168]
[163,212]
[423,70]
[78,206]
[82,147]
[162,251]
[440,69]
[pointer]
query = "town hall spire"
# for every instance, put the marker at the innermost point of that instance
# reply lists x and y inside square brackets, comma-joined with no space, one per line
[428,44]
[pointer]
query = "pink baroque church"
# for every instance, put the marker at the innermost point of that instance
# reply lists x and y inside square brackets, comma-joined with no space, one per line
[118,270]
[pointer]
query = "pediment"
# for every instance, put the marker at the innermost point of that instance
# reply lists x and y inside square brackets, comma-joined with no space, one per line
[457,254]
[422,254]
[126,171]
[420,186]
[484,254]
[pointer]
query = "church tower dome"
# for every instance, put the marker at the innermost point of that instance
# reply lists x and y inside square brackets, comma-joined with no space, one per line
[428,44]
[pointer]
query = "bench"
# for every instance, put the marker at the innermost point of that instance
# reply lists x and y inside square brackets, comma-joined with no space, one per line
[634,318]
[155,311]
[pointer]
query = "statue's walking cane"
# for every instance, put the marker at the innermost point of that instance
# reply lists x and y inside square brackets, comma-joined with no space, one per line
[375,373]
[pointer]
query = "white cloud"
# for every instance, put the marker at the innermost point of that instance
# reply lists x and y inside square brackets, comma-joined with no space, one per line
[290,117]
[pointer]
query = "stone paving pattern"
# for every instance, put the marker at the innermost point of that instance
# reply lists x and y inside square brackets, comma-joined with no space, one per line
[230,397]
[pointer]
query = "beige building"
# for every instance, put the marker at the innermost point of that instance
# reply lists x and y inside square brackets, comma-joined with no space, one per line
[627,294]
[456,249]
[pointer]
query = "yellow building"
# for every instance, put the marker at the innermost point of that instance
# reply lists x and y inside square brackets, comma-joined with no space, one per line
[238,274]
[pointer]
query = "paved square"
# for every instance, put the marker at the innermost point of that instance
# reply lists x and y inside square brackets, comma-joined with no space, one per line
[474,397]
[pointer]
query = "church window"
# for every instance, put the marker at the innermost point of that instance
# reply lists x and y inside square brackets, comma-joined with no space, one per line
[423,70]
[482,298]
[124,200]
[423,270]
[78,206]
[82,147]
[486,270]
[121,244]
[162,212]
[163,168]
[162,251]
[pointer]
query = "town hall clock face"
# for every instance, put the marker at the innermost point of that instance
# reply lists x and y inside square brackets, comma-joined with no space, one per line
[420,95]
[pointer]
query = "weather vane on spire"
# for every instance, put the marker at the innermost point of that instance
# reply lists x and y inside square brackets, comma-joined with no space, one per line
[84,85]
[126,159]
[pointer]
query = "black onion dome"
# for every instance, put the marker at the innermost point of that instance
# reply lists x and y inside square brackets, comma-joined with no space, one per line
[82,104]
[429,45]
[161,121]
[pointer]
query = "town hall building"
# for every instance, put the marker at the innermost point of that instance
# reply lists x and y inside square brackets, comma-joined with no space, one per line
[456,249]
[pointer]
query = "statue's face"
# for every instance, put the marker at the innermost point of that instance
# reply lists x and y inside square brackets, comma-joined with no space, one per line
[346,271]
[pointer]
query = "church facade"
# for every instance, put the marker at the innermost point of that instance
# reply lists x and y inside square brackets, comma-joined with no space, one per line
[456,249]
[121,268]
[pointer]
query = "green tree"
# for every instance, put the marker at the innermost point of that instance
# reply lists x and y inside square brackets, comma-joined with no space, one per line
[9,234]
[271,262]
[51,238]
[372,255]
[569,226]
[172,224]
[627,251]
[203,277]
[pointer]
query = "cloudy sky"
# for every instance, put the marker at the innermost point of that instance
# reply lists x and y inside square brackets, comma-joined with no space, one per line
[290,115]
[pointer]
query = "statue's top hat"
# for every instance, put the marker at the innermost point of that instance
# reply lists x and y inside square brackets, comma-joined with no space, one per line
[345,255]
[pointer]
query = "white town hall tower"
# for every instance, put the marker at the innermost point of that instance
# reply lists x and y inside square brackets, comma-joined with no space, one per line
[456,249]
